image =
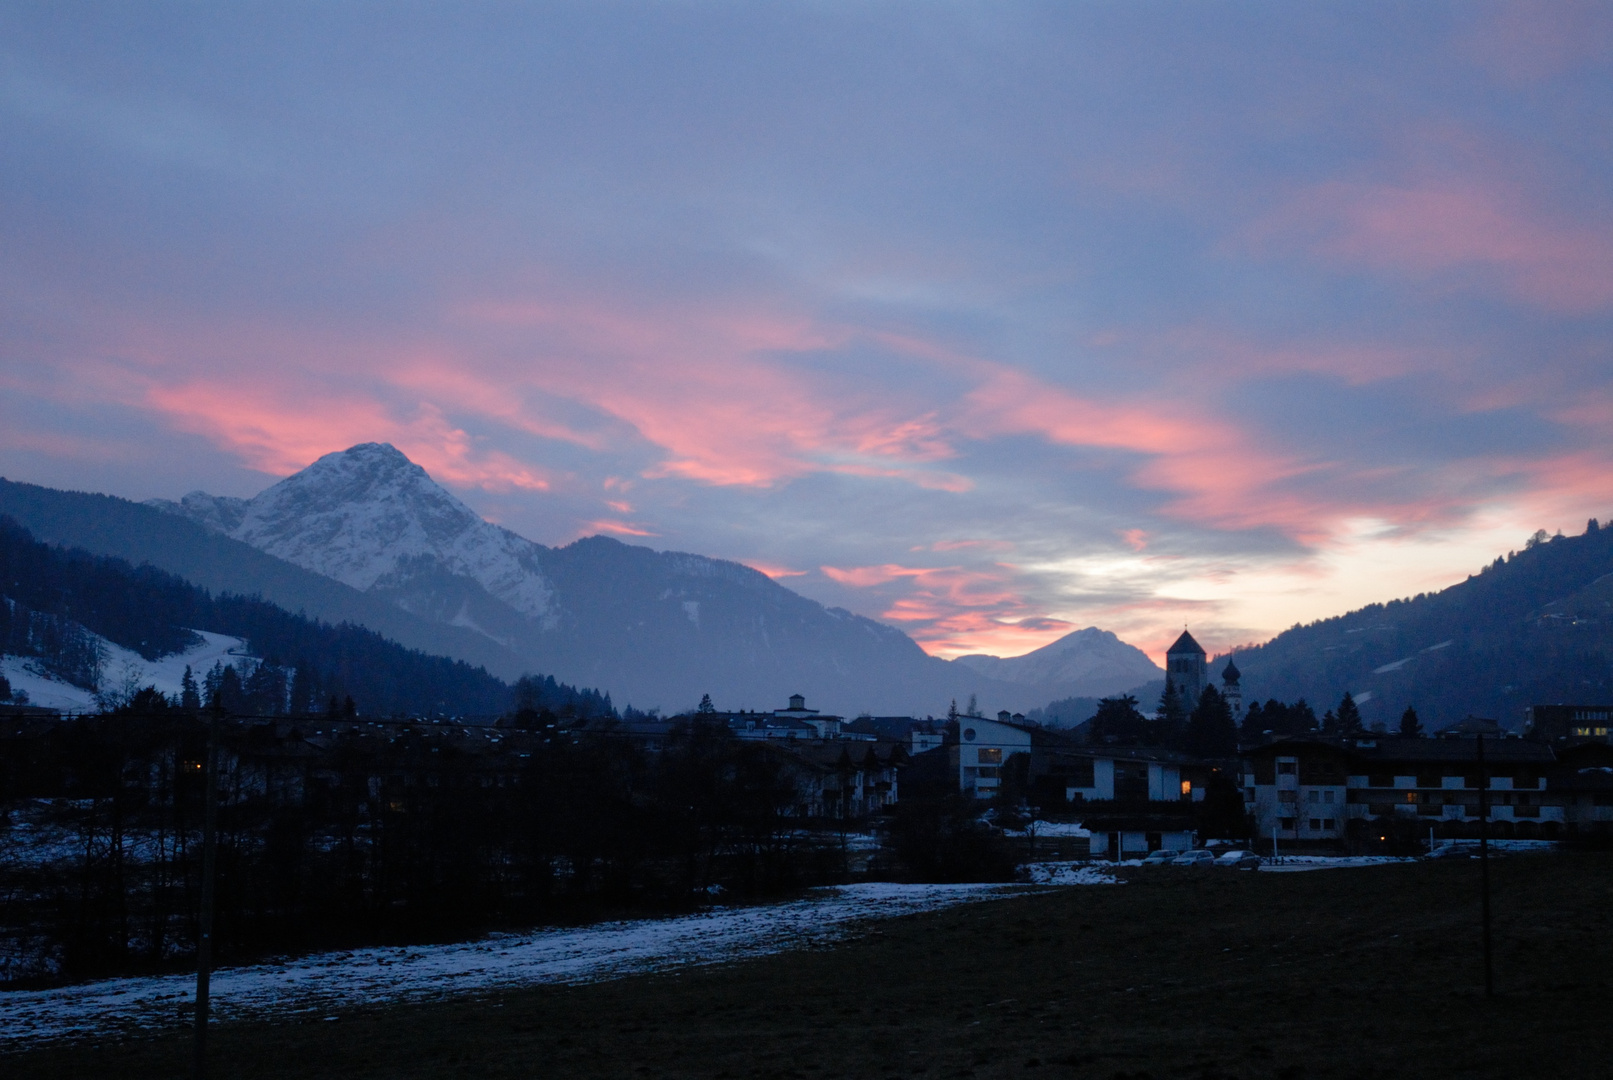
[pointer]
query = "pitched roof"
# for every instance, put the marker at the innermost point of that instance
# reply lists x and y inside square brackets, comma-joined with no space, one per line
[1186,644]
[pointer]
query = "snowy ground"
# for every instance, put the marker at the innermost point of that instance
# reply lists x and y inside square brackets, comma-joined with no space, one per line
[123,670]
[330,983]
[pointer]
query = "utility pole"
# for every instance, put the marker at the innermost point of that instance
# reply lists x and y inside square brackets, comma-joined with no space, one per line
[1484,867]
[204,922]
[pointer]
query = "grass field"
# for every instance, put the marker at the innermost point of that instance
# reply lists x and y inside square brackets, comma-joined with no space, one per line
[1371,972]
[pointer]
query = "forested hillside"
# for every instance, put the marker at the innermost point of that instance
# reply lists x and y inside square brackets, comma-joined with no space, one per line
[52,595]
[1535,626]
[107,525]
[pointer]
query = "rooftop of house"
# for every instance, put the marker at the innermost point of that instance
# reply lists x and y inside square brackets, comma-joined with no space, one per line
[1373,749]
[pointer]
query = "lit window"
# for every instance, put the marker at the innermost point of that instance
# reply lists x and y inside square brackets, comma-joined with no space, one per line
[990,755]
[1187,787]
[1411,796]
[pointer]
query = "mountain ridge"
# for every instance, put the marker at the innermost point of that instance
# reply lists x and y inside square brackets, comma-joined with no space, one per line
[655,627]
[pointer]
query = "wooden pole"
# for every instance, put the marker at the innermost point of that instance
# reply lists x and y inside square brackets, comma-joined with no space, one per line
[1484,868]
[204,922]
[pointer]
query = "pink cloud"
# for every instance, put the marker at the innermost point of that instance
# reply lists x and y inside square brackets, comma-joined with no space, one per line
[773,571]
[279,436]
[1472,224]
[621,528]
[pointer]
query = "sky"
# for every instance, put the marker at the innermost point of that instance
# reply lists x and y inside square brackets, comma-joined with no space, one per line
[990,321]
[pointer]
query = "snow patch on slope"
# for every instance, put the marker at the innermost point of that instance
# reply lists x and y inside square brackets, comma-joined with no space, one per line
[123,671]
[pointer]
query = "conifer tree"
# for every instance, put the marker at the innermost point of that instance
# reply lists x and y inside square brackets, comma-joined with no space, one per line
[1210,730]
[1410,725]
[1255,723]
[190,697]
[706,708]
[1349,715]
[1171,711]
[228,696]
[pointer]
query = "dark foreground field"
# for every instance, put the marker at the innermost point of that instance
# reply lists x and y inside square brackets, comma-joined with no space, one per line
[1181,973]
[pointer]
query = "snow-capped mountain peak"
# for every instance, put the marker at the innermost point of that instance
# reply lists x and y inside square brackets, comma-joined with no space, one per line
[1089,657]
[369,515]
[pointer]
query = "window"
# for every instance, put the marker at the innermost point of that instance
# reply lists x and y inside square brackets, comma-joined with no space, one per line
[990,774]
[1327,796]
[1313,796]
[1288,796]
[1329,824]
[1316,824]
[1285,823]
[1287,768]
[1187,788]
[968,734]
[990,755]
[1411,796]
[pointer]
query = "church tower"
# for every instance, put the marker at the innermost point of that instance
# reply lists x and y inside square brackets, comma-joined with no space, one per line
[1186,669]
[1231,690]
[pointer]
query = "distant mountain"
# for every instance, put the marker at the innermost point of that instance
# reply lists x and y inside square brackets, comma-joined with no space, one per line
[57,605]
[1086,663]
[655,628]
[1532,628]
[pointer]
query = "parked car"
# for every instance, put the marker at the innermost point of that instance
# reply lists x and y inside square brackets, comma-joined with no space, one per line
[1239,860]
[1196,857]
[1162,857]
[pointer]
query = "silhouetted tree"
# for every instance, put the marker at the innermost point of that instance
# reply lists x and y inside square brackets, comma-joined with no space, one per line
[1171,709]
[706,708]
[1410,725]
[1117,720]
[1349,715]
[190,697]
[1254,724]
[1210,730]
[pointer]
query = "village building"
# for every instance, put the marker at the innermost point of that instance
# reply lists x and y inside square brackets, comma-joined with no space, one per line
[1342,791]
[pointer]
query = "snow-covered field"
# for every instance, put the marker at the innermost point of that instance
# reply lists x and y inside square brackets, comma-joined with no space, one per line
[123,669]
[329,983]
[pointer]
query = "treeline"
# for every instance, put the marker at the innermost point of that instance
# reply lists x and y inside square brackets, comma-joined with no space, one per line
[366,833]
[1208,729]
[54,594]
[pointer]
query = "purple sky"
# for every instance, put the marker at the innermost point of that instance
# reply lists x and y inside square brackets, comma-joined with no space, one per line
[988,320]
